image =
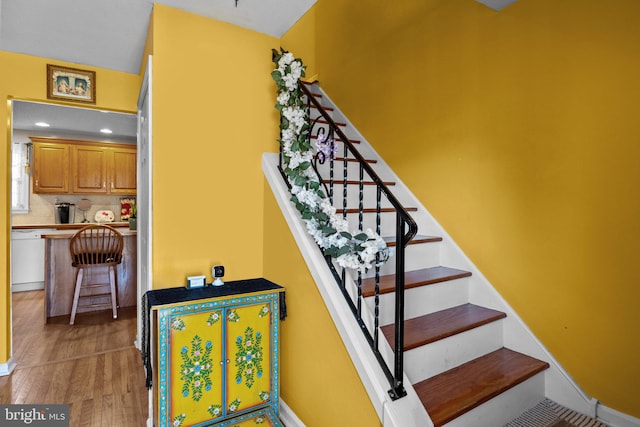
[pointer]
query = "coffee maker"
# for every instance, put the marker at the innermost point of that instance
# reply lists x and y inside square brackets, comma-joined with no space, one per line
[65,213]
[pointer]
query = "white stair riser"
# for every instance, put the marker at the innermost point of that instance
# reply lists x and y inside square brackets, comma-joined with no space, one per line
[505,407]
[417,256]
[423,300]
[369,197]
[353,169]
[387,222]
[429,360]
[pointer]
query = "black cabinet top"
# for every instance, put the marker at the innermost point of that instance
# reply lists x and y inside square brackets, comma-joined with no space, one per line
[177,295]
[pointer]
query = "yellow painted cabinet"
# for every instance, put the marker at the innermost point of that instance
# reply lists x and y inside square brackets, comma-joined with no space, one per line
[50,168]
[218,361]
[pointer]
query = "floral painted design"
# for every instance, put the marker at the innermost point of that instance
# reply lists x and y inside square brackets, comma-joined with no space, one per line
[178,324]
[233,316]
[213,318]
[264,395]
[248,357]
[195,369]
[234,405]
[215,410]
[178,420]
[264,311]
[259,420]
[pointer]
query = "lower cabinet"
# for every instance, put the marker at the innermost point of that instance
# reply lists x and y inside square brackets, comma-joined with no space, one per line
[217,361]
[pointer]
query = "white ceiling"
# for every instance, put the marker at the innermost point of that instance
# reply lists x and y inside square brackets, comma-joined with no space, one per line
[111,33]
[496,4]
[69,121]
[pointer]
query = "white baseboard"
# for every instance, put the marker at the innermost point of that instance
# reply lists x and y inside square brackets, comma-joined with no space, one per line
[25,287]
[615,418]
[7,368]
[288,417]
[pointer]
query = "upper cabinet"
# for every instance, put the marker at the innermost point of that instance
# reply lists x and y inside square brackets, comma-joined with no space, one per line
[89,166]
[83,167]
[50,167]
[122,164]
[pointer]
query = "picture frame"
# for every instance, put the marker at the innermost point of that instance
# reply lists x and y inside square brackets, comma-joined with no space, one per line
[71,84]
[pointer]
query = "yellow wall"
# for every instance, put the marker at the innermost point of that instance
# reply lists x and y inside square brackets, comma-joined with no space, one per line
[213,117]
[25,77]
[300,40]
[318,380]
[519,131]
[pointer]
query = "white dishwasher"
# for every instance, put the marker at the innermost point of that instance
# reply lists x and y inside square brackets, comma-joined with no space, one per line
[27,259]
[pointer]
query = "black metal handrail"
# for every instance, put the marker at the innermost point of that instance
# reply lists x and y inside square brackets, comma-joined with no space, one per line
[405,230]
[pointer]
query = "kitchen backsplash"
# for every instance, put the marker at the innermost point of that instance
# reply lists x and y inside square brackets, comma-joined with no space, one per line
[41,210]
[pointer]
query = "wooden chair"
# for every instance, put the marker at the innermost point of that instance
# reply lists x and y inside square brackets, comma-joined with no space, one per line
[95,246]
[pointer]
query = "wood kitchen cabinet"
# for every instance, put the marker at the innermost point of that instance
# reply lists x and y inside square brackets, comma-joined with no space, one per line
[50,168]
[83,167]
[122,166]
[89,169]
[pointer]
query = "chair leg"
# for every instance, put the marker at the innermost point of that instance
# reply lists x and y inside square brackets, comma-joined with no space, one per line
[112,282]
[76,295]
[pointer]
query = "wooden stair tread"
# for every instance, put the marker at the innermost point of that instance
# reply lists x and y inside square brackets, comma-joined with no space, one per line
[413,279]
[324,122]
[452,393]
[353,141]
[351,159]
[391,240]
[442,324]
[372,210]
[323,107]
[349,182]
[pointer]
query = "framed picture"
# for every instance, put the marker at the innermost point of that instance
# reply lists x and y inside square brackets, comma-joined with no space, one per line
[71,84]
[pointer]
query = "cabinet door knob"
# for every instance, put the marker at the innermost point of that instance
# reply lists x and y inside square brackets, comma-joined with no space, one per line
[37,185]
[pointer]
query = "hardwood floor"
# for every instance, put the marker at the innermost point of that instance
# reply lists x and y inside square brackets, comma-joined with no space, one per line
[93,366]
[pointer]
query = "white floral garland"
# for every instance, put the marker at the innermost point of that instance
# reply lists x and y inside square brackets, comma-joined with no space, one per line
[361,250]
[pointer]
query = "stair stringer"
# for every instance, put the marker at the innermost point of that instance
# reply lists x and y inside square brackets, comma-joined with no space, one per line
[559,385]
[405,412]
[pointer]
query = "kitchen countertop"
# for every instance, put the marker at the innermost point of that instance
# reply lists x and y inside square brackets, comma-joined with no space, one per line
[75,226]
[67,234]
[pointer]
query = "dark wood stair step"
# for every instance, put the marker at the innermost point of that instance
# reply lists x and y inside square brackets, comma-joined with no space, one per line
[324,122]
[323,107]
[353,141]
[391,240]
[372,210]
[350,159]
[452,393]
[349,182]
[413,279]
[442,324]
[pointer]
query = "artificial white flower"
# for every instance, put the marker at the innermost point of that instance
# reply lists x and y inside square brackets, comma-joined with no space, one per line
[361,255]
[285,60]
[283,98]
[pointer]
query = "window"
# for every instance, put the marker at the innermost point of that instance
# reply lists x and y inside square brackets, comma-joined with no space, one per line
[19,179]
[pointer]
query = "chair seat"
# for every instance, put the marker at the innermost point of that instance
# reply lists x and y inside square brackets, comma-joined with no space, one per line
[95,246]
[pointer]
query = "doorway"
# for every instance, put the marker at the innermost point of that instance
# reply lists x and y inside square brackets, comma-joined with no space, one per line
[64,122]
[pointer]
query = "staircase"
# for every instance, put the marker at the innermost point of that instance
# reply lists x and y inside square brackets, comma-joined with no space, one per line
[465,355]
